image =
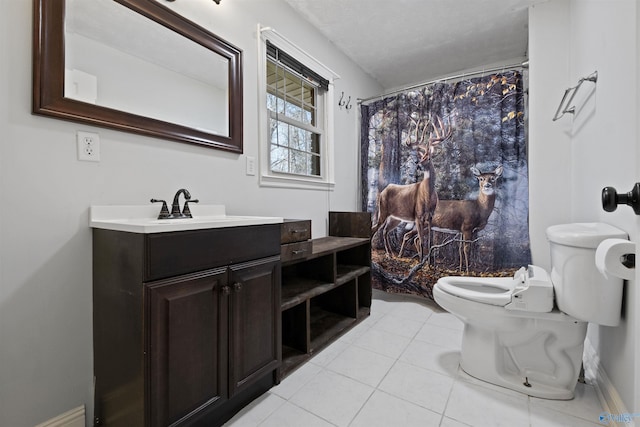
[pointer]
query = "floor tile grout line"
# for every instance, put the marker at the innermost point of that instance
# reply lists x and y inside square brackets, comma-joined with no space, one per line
[457,379]
[444,409]
[284,402]
[362,407]
[312,413]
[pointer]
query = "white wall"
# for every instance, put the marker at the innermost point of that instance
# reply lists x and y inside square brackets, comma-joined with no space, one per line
[45,252]
[572,159]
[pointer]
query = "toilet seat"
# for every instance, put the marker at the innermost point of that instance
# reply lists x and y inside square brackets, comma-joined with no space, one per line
[493,291]
[530,289]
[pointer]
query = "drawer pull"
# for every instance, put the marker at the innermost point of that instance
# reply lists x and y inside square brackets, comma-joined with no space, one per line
[226,290]
[298,252]
[304,230]
[237,287]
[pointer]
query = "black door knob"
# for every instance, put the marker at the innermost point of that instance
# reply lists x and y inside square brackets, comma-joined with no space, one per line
[611,199]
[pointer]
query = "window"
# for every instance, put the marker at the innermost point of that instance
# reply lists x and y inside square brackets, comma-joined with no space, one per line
[294,134]
[295,116]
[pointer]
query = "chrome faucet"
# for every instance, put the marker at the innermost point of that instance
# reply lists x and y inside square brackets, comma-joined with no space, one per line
[175,206]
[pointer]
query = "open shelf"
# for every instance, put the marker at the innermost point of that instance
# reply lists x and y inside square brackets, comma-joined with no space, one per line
[303,289]
[326,292]
[346,273]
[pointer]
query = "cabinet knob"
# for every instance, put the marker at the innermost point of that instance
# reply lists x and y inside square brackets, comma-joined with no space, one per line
[225,290]
[237,286]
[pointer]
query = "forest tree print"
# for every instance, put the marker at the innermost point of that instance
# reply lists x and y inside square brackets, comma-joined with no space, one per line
[444,174]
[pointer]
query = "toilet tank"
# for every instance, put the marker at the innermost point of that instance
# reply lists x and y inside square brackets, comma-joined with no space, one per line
[581,290]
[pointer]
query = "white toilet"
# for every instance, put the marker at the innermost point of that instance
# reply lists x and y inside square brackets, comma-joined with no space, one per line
[515,336]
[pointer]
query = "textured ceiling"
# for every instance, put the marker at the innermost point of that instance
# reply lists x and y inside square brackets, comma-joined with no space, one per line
[402,42]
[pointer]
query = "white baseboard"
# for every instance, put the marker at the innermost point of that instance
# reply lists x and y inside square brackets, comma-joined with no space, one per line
[612,403]
[72,418]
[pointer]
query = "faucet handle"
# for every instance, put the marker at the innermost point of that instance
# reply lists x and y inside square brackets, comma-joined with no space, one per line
[164,211]
[186,211]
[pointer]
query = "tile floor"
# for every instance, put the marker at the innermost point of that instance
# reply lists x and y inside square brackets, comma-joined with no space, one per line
[399,367]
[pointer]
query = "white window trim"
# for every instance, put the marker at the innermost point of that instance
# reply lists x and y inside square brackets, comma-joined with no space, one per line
[326,180]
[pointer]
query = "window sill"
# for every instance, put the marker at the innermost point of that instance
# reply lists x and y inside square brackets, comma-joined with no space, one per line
[295,182]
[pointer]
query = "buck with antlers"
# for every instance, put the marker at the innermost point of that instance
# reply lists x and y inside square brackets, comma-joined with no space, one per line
[412,202]
[465,216]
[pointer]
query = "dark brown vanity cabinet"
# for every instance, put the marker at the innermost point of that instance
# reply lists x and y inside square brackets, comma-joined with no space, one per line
[186,324]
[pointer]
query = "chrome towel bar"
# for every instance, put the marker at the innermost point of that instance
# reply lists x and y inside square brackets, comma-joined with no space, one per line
[565,104]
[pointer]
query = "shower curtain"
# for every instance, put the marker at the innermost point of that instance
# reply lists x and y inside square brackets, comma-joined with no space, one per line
[459,136]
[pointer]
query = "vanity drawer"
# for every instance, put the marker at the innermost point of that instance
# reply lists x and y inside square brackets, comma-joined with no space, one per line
[295,230]
[297,250]
[182,252]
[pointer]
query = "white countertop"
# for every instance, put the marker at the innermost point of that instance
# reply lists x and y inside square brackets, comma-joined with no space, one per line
[143,219]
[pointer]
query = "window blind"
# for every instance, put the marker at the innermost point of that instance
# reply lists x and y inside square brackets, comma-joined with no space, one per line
[296,66]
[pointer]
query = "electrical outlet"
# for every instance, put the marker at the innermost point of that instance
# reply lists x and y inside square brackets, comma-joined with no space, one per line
[88,146]
[251,165]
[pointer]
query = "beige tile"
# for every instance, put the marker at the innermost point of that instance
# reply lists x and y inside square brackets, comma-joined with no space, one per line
[412,311]
[480,406]
[542,416]
[411,352]
[289,415]
[331,352]
[422,387]
[448,422]
[385,343]
[433,357]
[362,365]
[585,404]
[438,335]
[384,410]
[446,320]
[357,331]
[332,397]
[296,380]
[398,325]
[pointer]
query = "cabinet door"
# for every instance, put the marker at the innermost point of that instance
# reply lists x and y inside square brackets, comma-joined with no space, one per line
[187,346]
[254,336]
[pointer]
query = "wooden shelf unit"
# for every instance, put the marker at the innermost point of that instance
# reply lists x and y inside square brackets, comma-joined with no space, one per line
[327,292]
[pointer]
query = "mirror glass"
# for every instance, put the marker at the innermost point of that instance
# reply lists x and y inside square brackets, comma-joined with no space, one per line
[117,58]
[137,66]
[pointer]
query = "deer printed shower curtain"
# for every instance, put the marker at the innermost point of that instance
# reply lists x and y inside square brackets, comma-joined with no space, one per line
[444,174]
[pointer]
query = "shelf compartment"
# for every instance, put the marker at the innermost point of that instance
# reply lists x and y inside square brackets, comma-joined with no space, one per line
[300,289]
[332,244]
[343,300]
[358,255]
[292,358]
[326,326]
[364,292]
[346,273]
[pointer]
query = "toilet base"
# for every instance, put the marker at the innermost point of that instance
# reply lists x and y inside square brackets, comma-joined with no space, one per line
[536,361]
[538,354]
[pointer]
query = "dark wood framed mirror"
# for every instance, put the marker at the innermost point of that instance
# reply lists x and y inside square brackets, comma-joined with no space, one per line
[186,84]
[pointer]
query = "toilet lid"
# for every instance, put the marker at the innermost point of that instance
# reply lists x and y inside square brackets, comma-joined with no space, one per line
[494,291]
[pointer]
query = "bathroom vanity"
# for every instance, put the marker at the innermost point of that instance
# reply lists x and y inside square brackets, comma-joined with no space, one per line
[186,317]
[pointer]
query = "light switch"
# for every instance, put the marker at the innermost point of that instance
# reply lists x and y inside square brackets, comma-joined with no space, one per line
[251,165]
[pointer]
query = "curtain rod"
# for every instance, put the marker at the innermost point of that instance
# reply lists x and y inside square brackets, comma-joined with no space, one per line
[524,64]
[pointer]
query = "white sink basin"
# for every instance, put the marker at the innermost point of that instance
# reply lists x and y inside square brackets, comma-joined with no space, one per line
[144,219]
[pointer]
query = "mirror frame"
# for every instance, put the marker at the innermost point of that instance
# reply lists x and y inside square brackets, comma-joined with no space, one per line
[49,69]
